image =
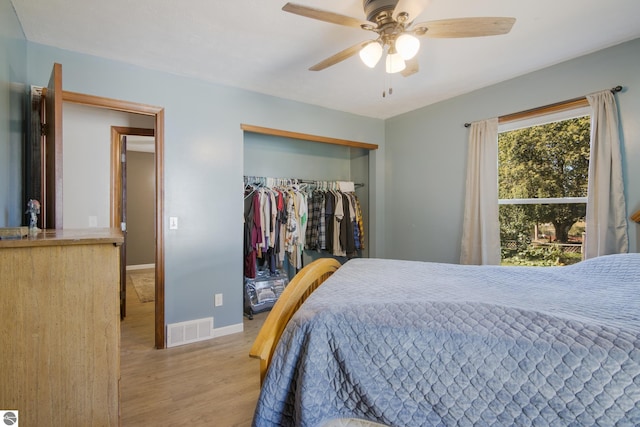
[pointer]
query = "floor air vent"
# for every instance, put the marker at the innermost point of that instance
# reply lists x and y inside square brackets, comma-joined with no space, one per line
[190,331]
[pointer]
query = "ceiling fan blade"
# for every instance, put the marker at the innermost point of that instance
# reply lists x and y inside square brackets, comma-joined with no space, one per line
[413,8]
[322,15]
[464,27]
[340,56]
[411,67]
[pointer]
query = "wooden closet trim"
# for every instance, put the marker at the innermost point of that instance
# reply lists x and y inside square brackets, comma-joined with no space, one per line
[307,137]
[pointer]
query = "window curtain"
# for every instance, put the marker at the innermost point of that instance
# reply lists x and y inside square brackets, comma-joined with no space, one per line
[481,228]
[606,229]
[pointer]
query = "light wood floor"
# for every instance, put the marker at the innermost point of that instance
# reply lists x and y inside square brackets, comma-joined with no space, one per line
[210,383]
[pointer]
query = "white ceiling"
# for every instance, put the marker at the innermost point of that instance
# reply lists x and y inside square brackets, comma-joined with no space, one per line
[253,44]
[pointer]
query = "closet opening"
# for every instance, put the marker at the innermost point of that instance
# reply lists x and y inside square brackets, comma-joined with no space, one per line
[296,177]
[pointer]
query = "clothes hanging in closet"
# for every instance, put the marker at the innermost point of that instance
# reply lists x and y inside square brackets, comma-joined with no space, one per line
[335,223]
[285,218]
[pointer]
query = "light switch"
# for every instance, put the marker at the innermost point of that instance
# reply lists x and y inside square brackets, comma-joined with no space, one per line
[173,223]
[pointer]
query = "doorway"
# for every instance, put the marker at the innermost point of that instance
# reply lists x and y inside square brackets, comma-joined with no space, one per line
[137,275]
[52,168]
[158,114]
[120,176]
[133,197]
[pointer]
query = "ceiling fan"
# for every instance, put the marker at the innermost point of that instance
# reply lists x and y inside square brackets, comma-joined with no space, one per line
[393,23]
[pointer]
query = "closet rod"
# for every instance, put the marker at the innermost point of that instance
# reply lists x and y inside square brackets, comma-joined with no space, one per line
[550,107]
[307,181]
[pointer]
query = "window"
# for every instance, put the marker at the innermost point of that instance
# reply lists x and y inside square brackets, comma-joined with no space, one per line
[543,164]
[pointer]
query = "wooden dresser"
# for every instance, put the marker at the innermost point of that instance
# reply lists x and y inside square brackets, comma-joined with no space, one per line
[60,327]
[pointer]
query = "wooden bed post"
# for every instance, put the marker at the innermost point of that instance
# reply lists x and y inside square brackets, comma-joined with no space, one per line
[296,292]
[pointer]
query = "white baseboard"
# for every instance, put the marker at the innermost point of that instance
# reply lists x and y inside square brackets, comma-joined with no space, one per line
[140,267]
[228,330]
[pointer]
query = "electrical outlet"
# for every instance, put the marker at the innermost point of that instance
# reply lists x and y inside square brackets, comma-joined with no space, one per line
[217,300]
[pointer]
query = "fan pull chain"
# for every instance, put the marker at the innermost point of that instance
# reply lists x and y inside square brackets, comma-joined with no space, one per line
[384,90]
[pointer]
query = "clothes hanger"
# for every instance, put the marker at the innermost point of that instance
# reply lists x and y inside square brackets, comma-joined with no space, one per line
[254,187]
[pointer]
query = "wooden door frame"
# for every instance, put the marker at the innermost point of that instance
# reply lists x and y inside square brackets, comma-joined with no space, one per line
[158,114]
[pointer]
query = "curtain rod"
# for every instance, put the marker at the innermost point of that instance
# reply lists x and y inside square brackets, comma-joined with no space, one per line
[580,98]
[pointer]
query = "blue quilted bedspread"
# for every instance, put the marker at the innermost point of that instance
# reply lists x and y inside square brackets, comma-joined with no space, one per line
[409,343]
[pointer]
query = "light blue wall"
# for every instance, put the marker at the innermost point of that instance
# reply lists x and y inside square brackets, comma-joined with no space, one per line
[203,166]
[427,148]
[416,177]
[288,158]
[13,73]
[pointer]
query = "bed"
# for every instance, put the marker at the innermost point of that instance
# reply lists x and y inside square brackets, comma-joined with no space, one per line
[406,343]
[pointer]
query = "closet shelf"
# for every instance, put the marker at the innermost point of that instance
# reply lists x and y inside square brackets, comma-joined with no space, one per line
[307,137]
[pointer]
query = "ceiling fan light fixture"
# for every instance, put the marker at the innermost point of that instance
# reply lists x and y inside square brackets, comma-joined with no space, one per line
[392,21]
[394,62]
[371,54]
[407,46]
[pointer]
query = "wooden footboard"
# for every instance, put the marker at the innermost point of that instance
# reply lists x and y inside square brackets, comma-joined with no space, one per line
[303,284]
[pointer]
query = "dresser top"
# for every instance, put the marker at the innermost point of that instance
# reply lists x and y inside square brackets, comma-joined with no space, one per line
[63,237]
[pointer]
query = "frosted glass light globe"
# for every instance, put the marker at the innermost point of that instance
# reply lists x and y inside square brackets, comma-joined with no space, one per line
[407,46]
[394,63]
[371,54]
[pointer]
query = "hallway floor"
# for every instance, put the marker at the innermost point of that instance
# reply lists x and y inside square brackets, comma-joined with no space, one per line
[209,383]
